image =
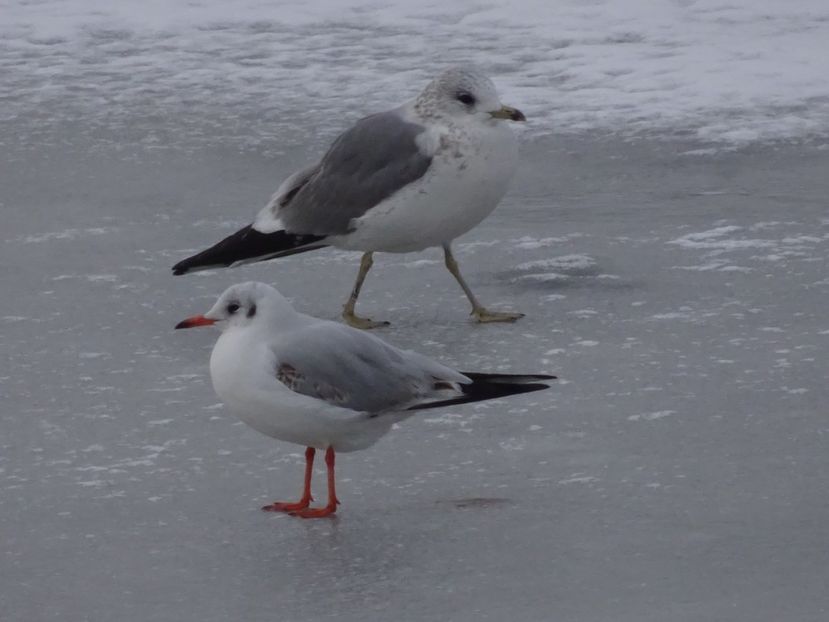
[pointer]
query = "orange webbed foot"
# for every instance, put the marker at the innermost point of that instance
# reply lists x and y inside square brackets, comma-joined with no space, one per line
[281,506]
[328,510]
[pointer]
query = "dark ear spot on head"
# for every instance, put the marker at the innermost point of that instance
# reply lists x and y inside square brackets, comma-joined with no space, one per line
[252,310]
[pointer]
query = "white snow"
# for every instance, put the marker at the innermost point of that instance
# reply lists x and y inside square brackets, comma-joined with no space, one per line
[578,478]
[67,234]
[541,278]
[728,72]
[528,243]
[573,263]
[728,239]
[660,414]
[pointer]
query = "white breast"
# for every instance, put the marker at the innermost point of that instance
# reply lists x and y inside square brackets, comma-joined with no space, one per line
[243,373]
[470,172]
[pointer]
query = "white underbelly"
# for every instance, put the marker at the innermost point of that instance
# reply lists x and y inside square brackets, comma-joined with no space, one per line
[276,411]
[454,196]
[305,421]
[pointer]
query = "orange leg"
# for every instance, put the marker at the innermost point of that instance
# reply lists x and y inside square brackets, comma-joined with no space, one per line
[331,507]
[305,501]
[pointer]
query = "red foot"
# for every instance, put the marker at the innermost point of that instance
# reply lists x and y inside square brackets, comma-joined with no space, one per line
[301,508]
[279,506]
[328,510]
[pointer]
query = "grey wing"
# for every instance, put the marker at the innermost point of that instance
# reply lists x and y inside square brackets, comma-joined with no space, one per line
[267,221]
[366,165]
[354,370]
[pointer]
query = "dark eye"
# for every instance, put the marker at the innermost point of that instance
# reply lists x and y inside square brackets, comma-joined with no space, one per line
[465,98]
[232,308]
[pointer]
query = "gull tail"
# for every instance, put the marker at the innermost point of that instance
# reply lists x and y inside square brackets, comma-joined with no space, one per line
[490,387]
[247,246]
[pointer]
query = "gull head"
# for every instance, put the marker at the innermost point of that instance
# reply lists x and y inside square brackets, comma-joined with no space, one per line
[242,305]
[464,92]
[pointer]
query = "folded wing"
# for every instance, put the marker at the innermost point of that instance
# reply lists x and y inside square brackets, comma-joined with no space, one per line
[366,165]
[352,369]
[378,156]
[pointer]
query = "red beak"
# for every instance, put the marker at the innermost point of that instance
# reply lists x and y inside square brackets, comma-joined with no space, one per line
[196,320]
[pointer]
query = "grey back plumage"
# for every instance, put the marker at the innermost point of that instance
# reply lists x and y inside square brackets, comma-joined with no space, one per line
[364,166]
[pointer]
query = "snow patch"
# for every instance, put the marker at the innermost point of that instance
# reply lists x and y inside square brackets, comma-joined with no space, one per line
[564,264]
[726,72]
[660,414]
[578,478]
[66,234]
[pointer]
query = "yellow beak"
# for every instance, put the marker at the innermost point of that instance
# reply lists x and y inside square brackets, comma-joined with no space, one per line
[508,112]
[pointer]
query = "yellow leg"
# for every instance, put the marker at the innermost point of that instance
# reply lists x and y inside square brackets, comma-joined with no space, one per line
[478,311]
[349,317]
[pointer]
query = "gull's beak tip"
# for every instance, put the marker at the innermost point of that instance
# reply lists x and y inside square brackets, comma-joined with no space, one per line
[510,113]
[196,320]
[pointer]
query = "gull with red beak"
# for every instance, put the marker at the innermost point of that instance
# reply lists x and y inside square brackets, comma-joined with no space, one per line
[413,177]
[324,385]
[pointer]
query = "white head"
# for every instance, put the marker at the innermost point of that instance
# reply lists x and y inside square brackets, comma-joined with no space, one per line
[242,305]
[463,92]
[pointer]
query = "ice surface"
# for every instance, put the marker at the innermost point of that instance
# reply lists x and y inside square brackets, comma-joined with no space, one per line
[677,471]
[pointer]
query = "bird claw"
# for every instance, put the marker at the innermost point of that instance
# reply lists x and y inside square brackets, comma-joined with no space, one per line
[328,510]
[290,508]
[355,321]
[482,316]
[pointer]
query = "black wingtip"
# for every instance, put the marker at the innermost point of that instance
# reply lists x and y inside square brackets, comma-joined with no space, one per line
[507,378]
[246,246]
[491,386]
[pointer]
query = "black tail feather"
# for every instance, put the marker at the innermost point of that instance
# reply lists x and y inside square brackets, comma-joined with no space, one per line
[506,378]
[490,387]
[247,246]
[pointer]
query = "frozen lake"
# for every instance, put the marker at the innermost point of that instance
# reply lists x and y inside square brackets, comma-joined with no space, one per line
[676,471]
[675,281]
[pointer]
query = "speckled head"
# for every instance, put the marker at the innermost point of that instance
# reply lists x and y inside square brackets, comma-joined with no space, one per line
[461,92]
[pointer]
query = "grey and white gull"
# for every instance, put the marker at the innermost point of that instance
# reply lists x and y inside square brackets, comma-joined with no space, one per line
[325,385]
[399,181]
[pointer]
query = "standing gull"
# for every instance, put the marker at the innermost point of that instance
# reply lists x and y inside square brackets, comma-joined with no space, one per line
[416,176]
[324,385]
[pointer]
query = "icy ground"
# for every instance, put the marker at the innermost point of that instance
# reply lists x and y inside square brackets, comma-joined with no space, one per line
[676,472]
[678,286]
